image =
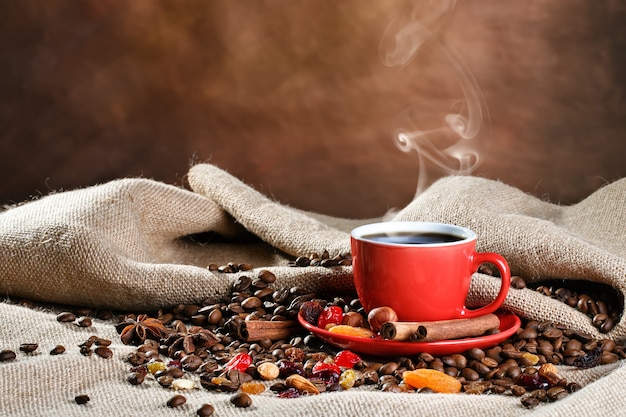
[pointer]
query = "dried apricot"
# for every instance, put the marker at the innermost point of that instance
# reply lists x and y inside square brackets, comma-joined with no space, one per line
[351,331]
[433,379]
[252,387]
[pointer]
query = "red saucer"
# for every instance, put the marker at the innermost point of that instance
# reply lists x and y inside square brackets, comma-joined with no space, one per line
[509,323]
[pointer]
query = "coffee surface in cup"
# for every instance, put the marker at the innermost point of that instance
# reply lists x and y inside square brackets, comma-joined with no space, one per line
[412,238]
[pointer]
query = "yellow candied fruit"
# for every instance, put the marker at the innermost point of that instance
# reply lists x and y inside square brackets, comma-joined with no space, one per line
[252,387]
[433,379]
[531,359]
[347,379]
[351,331]
[156,366]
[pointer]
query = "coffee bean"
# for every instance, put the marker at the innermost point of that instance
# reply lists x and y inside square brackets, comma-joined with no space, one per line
[206,410]
[242,283]
[84,321]
[518,282]
[104,352]
[66,317]
[191,362]
[7,355]
[388,368]
[176,401]
[470,374]
[241,400]
[251,303]
[165,380]
[556,393]
[136,378]
[530,402]
[28,347]
[57,350]
[518,390]
[267,276]
[82,399]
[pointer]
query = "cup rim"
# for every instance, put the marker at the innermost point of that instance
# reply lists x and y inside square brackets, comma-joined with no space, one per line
[464,233]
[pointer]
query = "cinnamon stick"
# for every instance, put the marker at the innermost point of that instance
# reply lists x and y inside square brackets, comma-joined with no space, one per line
[255,330]
[428,331]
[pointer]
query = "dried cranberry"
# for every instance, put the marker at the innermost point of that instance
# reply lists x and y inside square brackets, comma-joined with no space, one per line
[287,368]
[534,381]
[289,393]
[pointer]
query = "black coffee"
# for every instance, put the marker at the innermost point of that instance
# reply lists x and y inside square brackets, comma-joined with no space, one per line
[412,238]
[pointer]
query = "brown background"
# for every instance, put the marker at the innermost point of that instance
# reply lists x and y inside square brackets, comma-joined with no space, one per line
[293,98]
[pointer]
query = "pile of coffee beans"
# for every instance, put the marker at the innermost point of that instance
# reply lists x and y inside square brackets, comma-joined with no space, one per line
[201,345]
[517,366]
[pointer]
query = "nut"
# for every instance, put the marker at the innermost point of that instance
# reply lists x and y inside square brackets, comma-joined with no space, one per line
[268,371]
[301,383]
[353,319]
[379,316]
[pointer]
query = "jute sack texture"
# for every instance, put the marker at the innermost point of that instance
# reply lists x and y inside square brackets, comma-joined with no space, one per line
[141,244]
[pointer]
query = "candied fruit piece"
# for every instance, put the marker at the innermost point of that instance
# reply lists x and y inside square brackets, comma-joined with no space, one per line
[156,366]
[330,316]
[347,379]
[240,362]
[433,379]
[351,331]
[252,387]
[327,372]
[531,358]
[347,359]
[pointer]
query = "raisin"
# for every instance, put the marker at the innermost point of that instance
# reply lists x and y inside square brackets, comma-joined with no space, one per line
[310,311]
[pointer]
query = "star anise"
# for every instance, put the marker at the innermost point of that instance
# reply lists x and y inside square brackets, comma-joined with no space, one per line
[137,330]
[190,339]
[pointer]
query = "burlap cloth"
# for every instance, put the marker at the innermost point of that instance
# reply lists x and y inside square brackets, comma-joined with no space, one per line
[139,244]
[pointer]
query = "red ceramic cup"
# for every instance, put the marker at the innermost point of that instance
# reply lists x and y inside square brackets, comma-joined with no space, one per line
[421,281]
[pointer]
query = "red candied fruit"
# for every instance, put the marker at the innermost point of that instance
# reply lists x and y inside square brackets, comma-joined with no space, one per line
[331,315]
[347,359]
[327,372]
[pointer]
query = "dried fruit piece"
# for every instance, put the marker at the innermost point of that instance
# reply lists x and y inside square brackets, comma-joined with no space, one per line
[155,366]
[311,311]
[433,379]
[252,387]
[351,331]
[330,316]
[347,379]
[327,372]
[240,362]
[287,368]
[347,359]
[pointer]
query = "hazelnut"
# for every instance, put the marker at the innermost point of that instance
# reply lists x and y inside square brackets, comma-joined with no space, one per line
[380,315]
[353,319]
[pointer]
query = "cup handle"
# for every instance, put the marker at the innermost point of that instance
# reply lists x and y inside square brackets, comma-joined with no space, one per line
[505,273]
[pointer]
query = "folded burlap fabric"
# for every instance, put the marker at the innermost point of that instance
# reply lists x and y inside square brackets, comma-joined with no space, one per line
[139,244]
[129,244]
